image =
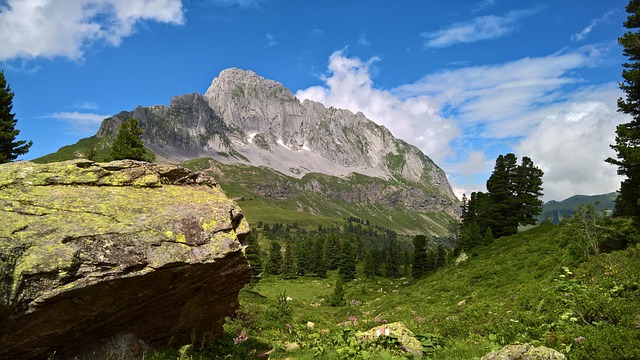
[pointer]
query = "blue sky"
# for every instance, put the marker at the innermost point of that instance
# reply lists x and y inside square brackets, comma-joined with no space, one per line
[463,80]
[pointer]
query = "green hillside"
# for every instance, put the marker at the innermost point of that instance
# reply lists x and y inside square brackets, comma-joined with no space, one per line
[525,288]
[268,196]
[558,210]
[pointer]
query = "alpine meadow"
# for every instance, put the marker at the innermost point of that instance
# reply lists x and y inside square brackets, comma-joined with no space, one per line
[461,182]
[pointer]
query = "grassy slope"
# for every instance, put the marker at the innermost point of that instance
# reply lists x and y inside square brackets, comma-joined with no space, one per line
[311,209]
[522,288]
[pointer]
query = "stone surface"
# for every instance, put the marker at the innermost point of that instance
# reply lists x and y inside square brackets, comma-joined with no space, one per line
[405,336]
[245,118]
[524,352]
[98,256]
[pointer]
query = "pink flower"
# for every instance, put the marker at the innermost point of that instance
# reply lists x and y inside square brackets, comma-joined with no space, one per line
[579,339]
[242,337]
[353,319]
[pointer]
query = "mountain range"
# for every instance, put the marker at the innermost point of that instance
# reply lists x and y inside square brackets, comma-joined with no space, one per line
[298,159]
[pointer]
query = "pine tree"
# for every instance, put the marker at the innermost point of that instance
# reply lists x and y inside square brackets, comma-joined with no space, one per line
[501,190]
[369,265]
[392,265]
[10,149]
[347,262]
[274,264]
[332,251]
[288,262]
[528,189]
[488,236]
[337,297]
[254,256]
[128,142]
[627,146]
[420,257]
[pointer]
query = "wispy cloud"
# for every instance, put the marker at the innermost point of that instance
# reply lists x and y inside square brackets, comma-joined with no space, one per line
[477,29]
[464,118]
[80,123]
[362,40]
[271,40]
[241,3]
[595,22]
[86,105]
[32,28]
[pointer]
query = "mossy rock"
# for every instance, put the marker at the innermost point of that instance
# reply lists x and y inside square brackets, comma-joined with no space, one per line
[524,352]
[90,251]
[405,336]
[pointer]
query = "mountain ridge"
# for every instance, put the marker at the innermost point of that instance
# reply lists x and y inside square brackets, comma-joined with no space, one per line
[244,118]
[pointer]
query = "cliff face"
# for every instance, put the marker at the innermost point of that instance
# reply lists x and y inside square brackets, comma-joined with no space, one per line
[124,252]
[244,118]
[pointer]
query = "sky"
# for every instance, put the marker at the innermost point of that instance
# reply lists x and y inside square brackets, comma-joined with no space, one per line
[463,80]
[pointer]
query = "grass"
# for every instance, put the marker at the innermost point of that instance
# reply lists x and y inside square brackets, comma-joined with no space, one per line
[522,288]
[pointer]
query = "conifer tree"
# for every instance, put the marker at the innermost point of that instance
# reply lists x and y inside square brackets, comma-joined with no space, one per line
[392,265]
[128,142]
[337,297]
[347,265]
[288,262]
[274,264]
[10,149]
[420,257]
[254,256]
[332,251]
[627,146]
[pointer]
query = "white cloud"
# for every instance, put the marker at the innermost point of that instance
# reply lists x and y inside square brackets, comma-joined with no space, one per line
[79,123]
[362,40]
[586,31]
[47,28]
[462,118]
[479,28]
[572,141]
[415,119]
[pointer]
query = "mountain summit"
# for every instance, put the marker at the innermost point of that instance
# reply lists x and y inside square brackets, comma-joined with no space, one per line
[245,118]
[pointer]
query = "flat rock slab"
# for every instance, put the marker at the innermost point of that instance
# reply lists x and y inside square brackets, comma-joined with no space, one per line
[126,252]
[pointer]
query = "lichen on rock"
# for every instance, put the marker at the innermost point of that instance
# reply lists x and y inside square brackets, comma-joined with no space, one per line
[405,336]
[524,352]
[92,251]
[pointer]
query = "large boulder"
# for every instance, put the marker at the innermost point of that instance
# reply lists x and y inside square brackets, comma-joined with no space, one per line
[405,337]
[119,257]
[524,352]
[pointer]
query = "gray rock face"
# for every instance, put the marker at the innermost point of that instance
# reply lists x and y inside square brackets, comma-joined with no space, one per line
[245,118]
[114,258]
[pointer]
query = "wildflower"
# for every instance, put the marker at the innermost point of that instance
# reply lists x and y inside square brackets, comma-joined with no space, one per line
[310,325]
[353,319]
[288,326]
[242,337]
[579,339]
[607,273]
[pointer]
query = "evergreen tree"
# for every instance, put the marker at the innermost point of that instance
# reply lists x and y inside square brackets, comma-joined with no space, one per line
[369,265]
[528,190]
[10,149]
[488,236]
[503,210]
[441,256]
[318,265]
[288,264]
[627,146]
[128,142]
[274,264]
[254,256]
[471,236]
[420,257]
[337,297]
[347,268]
[332,251]
[392,265]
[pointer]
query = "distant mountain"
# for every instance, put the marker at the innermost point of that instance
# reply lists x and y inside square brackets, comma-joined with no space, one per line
[557,210]
[244,120]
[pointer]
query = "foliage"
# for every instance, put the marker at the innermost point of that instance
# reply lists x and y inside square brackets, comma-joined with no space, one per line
[254,256]
[337,296]
[10,149]
[420,256]
[512,199]
[128,142]
[274,263]
[627,146]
